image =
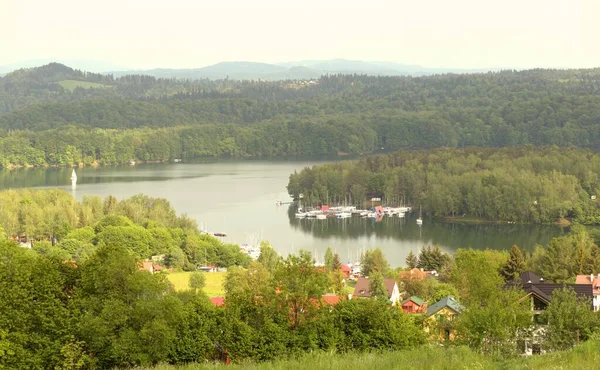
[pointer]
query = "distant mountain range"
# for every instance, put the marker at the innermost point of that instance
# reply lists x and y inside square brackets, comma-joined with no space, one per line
[305,69]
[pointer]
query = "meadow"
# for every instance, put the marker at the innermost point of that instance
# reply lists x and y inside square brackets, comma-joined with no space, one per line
[584,356]
[73,84]
[214,282]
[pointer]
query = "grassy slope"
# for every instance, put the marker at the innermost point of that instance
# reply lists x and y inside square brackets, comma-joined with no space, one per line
[586,356]
[214,282]
[72,84]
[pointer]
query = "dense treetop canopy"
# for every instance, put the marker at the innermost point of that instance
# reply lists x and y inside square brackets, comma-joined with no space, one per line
[526,184]
[59,116]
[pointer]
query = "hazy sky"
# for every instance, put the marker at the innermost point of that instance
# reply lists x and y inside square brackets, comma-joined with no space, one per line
[195,33]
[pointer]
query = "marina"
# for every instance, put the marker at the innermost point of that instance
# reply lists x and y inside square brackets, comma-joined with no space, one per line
[340,212]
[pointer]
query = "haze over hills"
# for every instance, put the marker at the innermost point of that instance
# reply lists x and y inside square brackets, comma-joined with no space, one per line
[242,70]
[96,66]
[295,70]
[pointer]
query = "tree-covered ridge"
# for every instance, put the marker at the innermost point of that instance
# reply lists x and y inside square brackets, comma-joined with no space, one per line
[55,224]
[524,184]
[337,114]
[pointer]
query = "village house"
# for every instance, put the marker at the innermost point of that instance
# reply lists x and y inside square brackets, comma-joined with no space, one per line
[346,270]
[414,304]
[440,318]
[363,289]
[594,281]
[539,292]
[150,267]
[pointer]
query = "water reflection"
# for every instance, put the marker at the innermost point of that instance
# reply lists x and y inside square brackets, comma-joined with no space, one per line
[449,235]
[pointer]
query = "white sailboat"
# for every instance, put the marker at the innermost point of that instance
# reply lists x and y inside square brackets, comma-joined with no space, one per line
[420,219]
[73,178]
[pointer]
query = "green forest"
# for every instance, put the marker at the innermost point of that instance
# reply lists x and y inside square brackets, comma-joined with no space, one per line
[48,118]
[77,298]
[525,184]
[53,223]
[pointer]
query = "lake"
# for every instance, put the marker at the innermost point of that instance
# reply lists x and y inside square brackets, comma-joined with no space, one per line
[238,197]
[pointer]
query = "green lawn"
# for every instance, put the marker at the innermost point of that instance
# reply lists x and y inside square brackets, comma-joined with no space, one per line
[72,84]
[585,356]
[214,282]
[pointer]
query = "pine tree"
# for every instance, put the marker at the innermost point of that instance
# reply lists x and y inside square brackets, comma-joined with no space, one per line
[329,259]
[411,260]
[515,264]
[336,264]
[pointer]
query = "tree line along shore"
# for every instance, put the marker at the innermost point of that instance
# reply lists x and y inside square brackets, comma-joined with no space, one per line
[525,185]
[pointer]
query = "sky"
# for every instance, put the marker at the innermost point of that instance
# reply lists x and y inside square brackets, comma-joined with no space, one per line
[144,34]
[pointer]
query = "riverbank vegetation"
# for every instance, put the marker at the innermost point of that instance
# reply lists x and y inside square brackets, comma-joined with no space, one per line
[525,184]
[81,300]
[52,222]
[57,116]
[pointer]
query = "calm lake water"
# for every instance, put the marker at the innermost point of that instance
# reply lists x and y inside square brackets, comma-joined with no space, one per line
[238,198]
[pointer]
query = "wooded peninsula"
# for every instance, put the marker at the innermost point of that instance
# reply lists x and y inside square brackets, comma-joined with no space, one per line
[526,184]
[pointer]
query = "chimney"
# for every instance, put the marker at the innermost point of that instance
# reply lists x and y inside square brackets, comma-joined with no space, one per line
[591,278]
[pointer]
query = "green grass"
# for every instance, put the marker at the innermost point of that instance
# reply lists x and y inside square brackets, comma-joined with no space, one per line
[349,288]
[585,356]
[72,84]
[214,282]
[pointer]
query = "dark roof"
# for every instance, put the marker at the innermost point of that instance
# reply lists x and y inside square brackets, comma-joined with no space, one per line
[530,278]
[448,301]
[533,284]
[545,291]
[389,286]
[362,287]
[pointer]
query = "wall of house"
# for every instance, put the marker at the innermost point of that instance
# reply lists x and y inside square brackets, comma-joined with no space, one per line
[437,331]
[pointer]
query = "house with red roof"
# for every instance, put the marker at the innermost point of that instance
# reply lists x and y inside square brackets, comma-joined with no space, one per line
[331,299]
[347,270]
[217,301]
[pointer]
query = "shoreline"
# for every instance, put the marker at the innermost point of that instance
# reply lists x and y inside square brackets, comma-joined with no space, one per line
[563,222]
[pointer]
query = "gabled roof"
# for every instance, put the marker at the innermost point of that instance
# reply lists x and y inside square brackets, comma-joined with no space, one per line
[415,299]
[389,286]
[346,268]
[448,301]
[363,288]
[331,298]
[533,284]
[530,278]
[592,280]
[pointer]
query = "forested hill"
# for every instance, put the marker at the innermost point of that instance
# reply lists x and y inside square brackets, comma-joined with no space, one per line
[59,116]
